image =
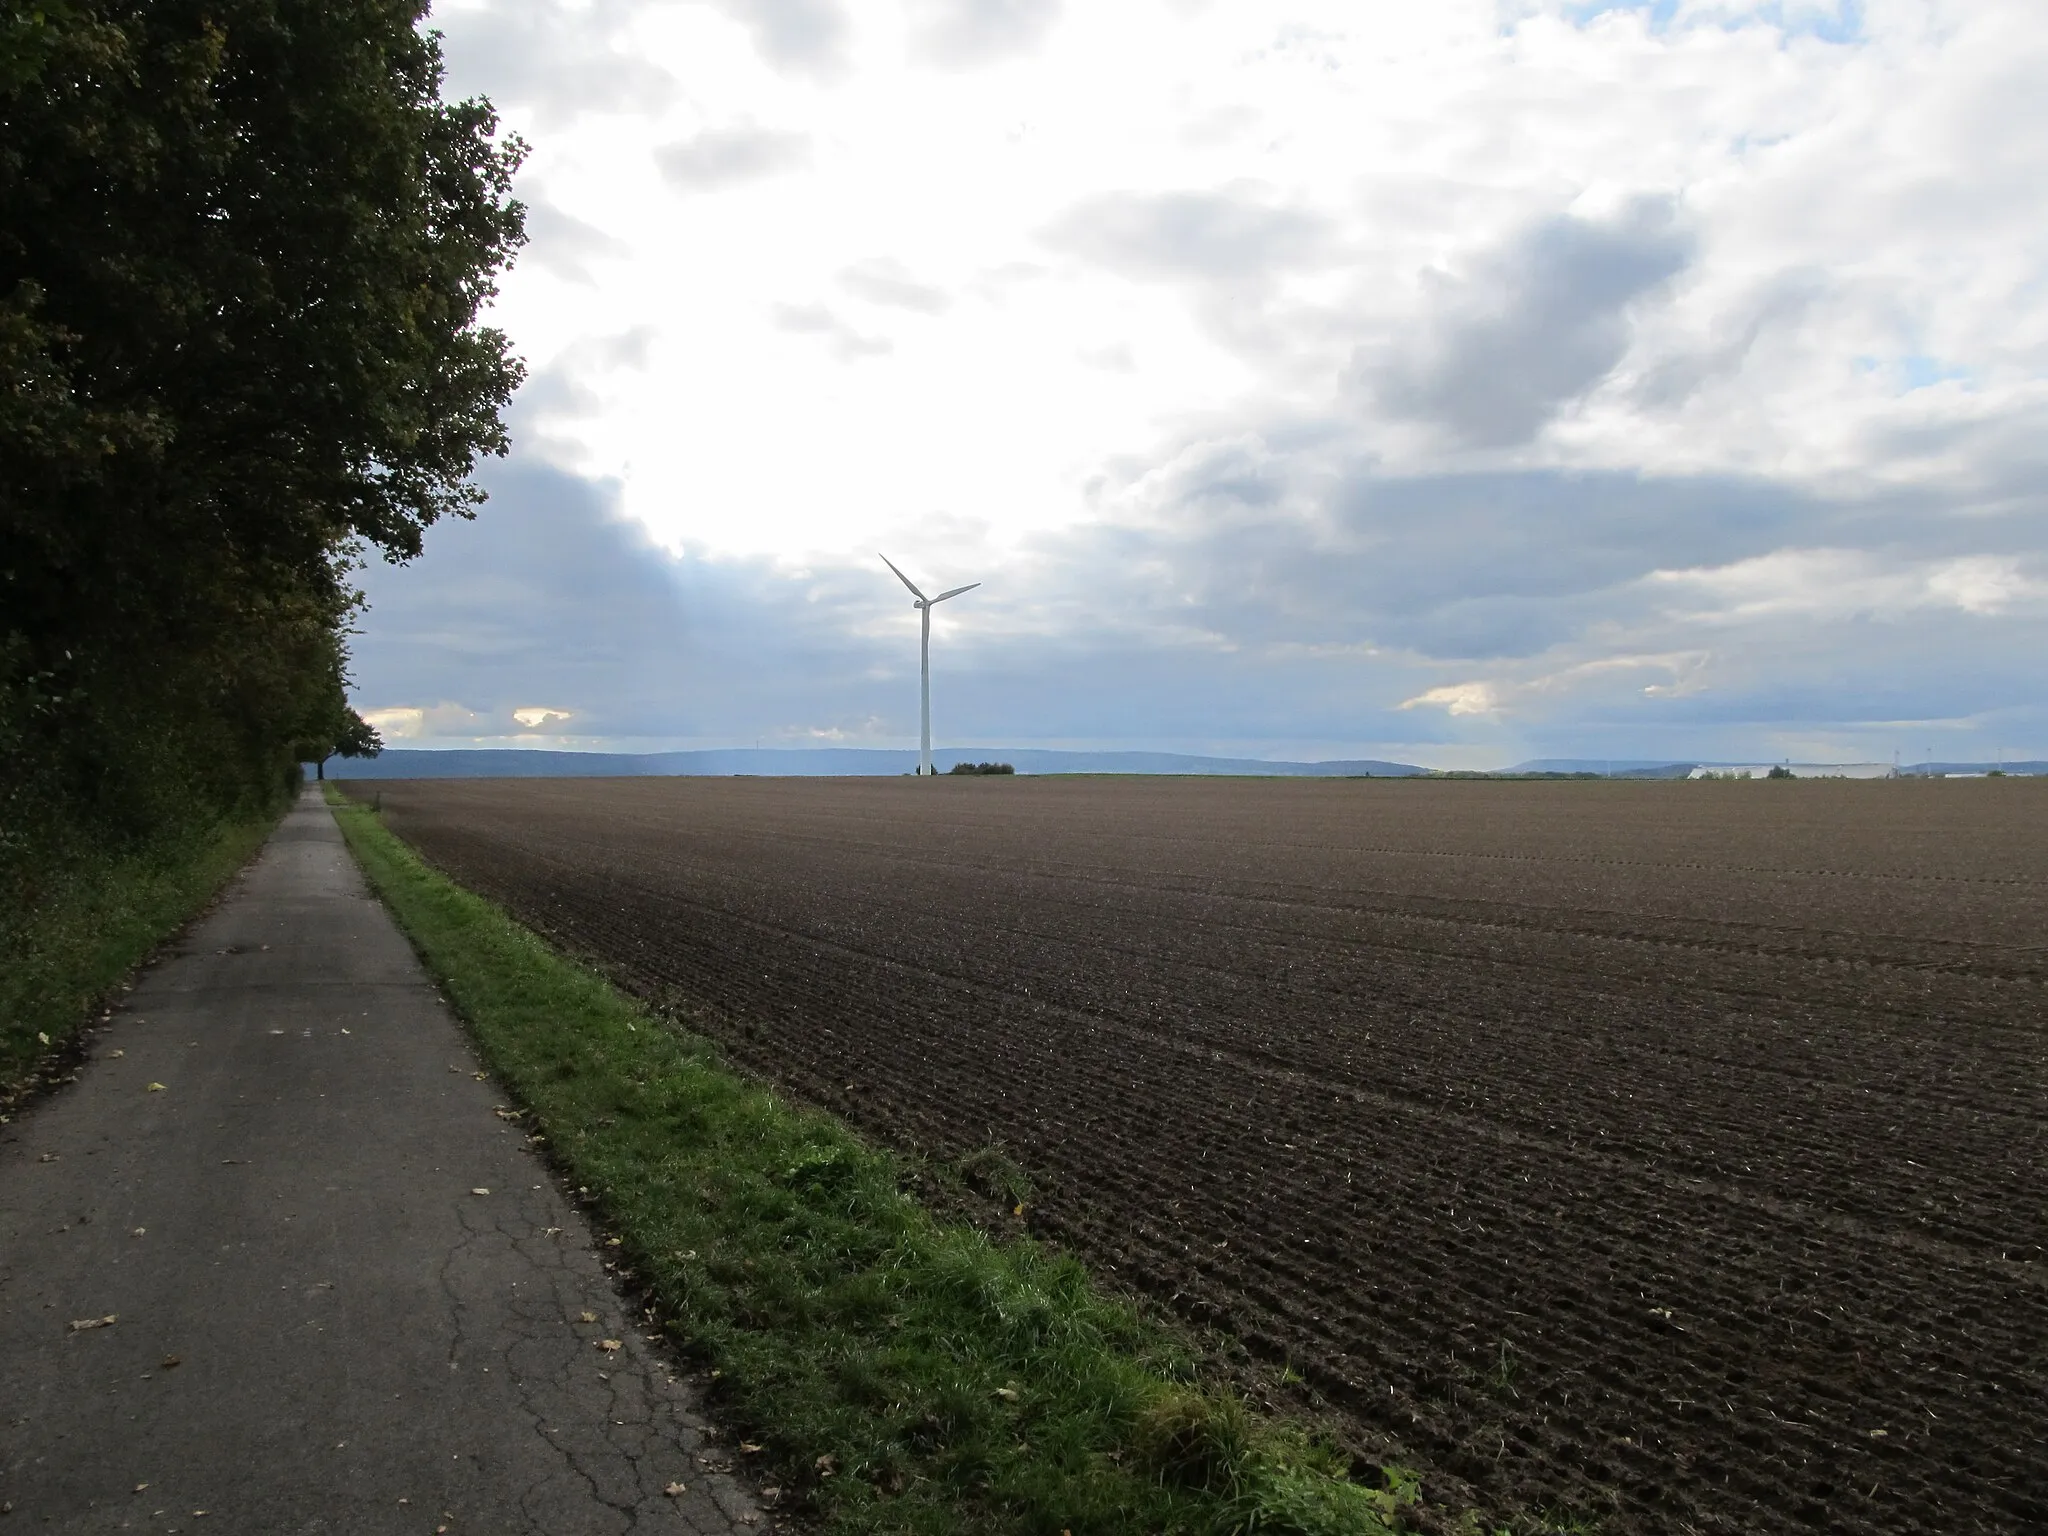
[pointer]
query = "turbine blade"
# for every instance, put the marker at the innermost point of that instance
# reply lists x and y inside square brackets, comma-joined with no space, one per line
[956,591]
[900,576]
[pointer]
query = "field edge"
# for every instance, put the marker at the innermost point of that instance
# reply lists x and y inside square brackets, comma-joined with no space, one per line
[896,1373]
[69,956]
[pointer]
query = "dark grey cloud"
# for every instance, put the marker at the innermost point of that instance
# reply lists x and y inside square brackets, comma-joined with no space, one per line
[882,281]
[966,33]
[1447,567]
[1236,234]
[565,245]
[726,157]
[1532,328]
[809,36]
[551,599]
[1237,621]
[548,62]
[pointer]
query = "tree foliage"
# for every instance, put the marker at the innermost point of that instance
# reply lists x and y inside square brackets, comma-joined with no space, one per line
[244,251]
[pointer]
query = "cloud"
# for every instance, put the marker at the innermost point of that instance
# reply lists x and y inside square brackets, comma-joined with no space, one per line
[1221,618]
[550,593]
[1241,233]
[809,36]
[565,245]
[888,282]
[552,61]
[534,716]
[572,389]
[1458,699]
[1276,370]
[967,33]
[729,157]
[846,343]
[1822,584]
[1529,328]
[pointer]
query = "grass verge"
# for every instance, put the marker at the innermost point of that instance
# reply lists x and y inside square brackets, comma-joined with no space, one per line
[90,925]
[899,1374]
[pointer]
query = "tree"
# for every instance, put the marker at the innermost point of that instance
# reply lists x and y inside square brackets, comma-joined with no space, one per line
[245,248]
[336,731]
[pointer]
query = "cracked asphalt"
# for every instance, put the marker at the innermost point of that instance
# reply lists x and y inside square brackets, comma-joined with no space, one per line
[270,1179]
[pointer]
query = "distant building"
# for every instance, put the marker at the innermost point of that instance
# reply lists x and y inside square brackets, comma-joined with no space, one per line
[1797,770]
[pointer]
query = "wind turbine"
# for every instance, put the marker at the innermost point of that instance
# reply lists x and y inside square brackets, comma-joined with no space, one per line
[924,606]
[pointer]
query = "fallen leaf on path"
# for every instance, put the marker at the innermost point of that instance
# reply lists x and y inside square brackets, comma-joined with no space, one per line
[170,1363]
[748,1448]
[609,1346]
[138,1232]
[611,1242]
[589,1317]
[479,1191]
[42,1037]
[826,1465]
[673,1489]
[116,1055]
[479,1076]
[81,1324]
[47,1157]
[154,1088]
[140,1486]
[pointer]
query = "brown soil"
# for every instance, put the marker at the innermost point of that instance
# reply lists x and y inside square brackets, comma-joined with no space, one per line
[1671,1156]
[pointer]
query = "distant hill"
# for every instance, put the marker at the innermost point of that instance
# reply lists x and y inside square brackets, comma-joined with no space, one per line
[822,762]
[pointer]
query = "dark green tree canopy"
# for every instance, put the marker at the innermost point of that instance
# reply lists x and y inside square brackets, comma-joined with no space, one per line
[244,251]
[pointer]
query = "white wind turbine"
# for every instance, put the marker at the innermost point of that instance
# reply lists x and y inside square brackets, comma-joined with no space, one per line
[924,606]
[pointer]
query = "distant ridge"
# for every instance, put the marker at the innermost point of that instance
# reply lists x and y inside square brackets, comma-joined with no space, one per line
[821,762]
[873,762]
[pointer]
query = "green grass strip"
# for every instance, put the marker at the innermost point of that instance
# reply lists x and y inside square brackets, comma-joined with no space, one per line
[901,1374]
[92,922]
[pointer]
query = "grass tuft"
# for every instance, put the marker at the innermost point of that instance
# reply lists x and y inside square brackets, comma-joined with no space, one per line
[87,924]
[901,1374]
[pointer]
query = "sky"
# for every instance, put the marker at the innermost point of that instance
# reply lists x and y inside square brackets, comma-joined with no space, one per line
[1455,382]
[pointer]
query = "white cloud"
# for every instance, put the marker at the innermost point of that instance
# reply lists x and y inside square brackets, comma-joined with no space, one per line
[718,158]
[1459,699]
[533,716]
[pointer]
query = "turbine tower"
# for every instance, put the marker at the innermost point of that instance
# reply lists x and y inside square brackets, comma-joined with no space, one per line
[924,606]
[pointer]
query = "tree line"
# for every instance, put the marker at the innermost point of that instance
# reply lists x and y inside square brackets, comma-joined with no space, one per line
[245,249]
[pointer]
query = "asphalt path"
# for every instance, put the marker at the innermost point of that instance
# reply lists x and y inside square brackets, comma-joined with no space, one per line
[274,1264]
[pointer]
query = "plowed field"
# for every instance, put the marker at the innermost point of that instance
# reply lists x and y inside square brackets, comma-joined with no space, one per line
[1674,1155]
